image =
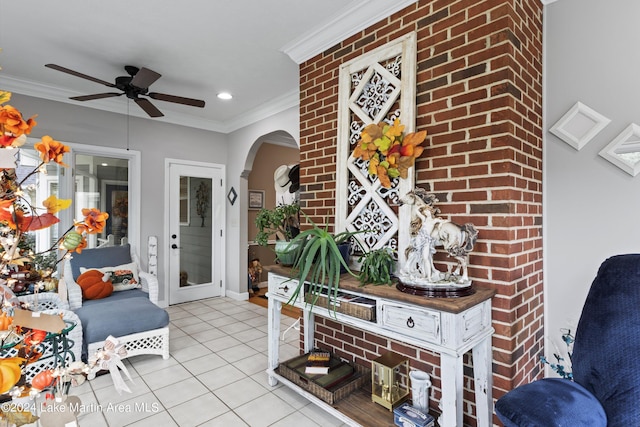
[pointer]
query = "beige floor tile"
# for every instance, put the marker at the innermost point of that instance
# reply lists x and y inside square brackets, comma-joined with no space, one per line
[245,315]
[296,419]
[228,419]
[196,327]
[198,410]
[220,344]
[259,320]
[178,314]
[221,321]
[264,411]
[240,392]
[211,315]
[221,377]
[191,320]
[204,363]
[179,342]
[208,334]
[291,397]
[161,419]
[180,392]
[191,352]
[236,353]
[261,345]
[167,376]
[320,416]
[151,363]
[250,335]
[252,364]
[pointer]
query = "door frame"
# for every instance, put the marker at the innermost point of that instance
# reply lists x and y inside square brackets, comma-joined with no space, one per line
[167,224]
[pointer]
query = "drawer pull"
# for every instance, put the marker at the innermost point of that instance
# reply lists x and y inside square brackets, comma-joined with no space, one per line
[410,322]
[284,288]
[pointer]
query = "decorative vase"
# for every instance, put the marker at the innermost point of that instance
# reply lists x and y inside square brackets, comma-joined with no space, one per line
[344,249]
[286,252]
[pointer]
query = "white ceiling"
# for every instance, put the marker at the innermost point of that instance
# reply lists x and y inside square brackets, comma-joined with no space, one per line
[250,48]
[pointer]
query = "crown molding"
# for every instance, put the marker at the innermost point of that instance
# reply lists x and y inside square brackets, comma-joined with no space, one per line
[116,105]
[268,109]
[357,16]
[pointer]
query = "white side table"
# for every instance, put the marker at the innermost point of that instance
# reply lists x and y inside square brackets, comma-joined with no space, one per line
[448,326]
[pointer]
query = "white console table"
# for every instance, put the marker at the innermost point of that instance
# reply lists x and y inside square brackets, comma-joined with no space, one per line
[448,326]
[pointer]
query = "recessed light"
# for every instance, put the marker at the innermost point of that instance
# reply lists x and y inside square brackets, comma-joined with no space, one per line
[104,164]
[225,95]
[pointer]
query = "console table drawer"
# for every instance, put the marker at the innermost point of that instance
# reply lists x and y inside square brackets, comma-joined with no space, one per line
[420,324]
[283,287]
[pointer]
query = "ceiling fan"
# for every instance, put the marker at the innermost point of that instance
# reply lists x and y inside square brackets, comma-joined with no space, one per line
[134,85]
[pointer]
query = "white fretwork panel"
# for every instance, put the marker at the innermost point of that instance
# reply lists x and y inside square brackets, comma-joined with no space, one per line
[375,87]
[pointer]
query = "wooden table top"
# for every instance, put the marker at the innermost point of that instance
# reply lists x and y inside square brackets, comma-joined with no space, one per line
[451,305]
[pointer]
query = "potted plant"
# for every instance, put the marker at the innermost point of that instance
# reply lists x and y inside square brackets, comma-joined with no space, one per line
[320,261]
[377,267]
[281,221]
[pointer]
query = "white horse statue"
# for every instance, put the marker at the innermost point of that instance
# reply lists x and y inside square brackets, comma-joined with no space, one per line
[429,231]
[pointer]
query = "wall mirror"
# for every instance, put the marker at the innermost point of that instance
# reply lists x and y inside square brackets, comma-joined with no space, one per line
[624,150]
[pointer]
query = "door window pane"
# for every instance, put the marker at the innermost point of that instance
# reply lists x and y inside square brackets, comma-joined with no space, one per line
[196,232]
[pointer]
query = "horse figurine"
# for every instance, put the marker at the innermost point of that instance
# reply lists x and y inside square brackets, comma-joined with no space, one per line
[429,231]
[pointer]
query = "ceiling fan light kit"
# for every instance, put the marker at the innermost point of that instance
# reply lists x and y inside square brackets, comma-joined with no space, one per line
[134,86]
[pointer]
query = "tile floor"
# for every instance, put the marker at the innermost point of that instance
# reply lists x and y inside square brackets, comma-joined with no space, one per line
[214,377]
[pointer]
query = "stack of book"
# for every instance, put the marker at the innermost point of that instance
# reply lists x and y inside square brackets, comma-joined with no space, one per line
[326,371]
[318,362]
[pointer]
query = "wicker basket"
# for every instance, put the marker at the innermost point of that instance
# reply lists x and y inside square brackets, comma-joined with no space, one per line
[360,311]
[293,370]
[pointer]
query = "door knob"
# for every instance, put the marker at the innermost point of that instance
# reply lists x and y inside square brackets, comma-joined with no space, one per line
[173,236]
[174,246]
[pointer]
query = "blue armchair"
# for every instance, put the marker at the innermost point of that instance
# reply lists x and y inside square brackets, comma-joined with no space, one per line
[606,361]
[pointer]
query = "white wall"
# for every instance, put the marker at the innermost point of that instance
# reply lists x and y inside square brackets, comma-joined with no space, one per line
[245,143]
[155,140]
[592,208]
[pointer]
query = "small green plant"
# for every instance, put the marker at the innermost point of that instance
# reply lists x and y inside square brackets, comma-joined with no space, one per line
[279,221]
[377,267]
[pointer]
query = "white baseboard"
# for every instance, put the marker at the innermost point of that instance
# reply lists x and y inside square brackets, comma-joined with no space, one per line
[238,296]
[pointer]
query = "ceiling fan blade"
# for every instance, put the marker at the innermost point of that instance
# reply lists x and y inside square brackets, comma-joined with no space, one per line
[144,78]
[95,96]
[176,99]
[148,107]
[77,74]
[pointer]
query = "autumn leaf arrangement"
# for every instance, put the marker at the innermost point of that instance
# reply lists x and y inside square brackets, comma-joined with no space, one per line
[17,217]
[17,214]
[389,151]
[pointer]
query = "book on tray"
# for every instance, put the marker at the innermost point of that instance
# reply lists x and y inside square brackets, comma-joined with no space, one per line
[318,362]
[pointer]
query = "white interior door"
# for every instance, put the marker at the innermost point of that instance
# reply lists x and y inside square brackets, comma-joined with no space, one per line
[196,242]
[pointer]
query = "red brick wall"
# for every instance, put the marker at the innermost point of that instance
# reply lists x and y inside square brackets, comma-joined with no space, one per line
[479,96]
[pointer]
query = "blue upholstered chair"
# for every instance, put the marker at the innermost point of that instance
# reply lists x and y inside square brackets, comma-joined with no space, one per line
[606,361]
[132,315]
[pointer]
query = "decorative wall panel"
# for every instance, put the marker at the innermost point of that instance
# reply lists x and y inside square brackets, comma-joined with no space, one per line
[375,87]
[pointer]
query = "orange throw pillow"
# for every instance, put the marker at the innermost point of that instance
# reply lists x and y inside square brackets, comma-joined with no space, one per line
[95,284]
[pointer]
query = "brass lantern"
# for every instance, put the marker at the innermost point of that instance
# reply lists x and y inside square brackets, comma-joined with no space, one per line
[389,380]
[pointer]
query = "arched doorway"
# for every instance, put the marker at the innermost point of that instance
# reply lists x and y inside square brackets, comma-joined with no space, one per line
[268,153]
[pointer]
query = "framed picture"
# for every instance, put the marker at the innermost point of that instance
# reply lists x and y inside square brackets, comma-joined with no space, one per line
[256,199]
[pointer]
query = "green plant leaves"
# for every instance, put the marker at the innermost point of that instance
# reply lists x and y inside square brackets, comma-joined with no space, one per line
[377,267]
